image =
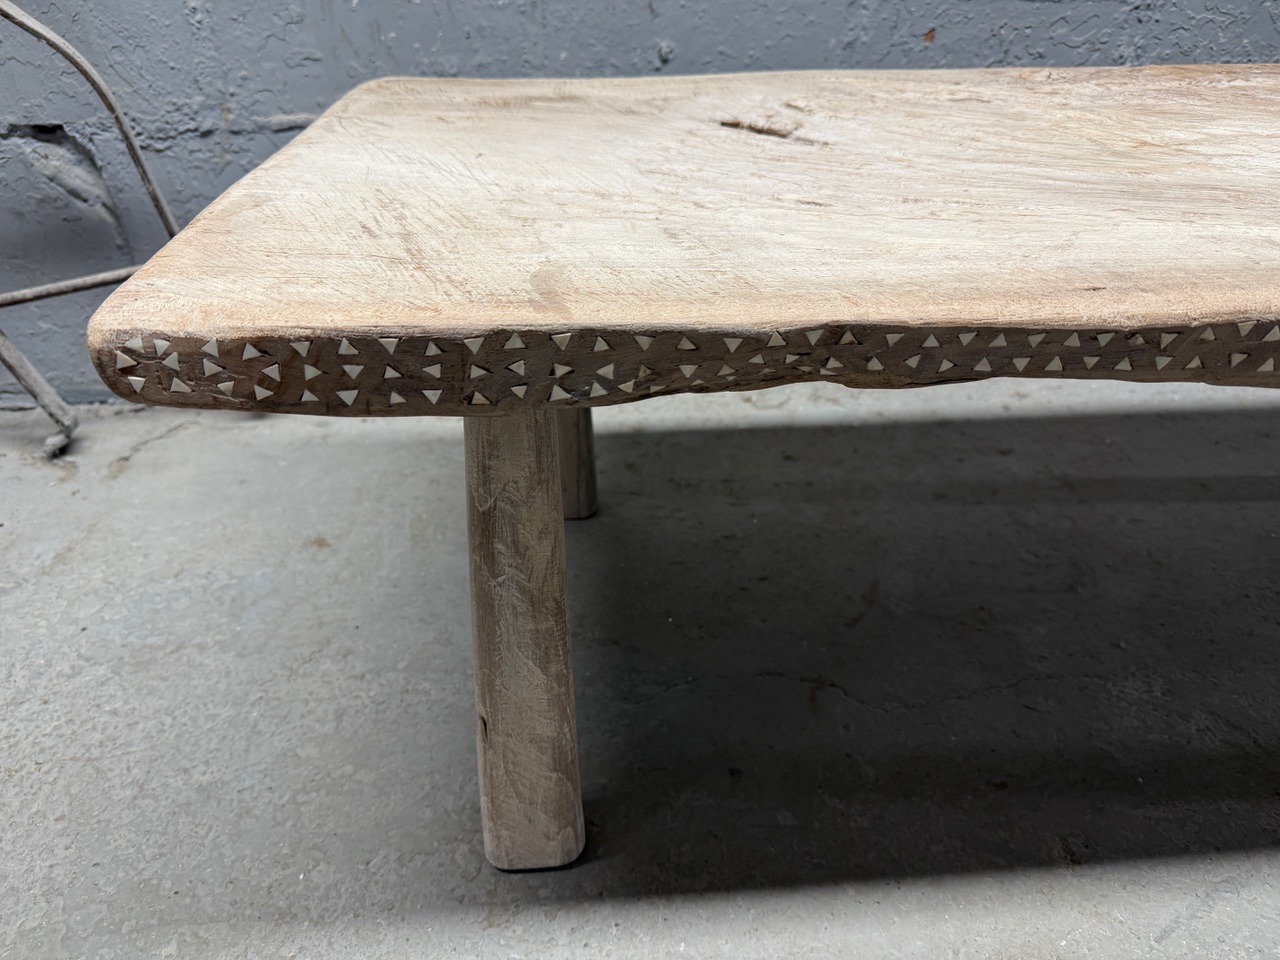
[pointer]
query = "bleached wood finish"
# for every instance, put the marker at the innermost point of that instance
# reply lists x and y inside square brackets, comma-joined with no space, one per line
[577,463]
[526,740]
[474,247]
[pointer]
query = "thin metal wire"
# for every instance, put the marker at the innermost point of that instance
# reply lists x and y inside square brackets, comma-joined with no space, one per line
[59,287]
[22,19]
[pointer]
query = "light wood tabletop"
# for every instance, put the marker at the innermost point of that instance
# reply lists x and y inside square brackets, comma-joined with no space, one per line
[434,246]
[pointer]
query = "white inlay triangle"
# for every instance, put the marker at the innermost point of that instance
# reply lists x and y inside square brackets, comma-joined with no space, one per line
[1268,365]
[945,365]
[474,344]
[964,338]
[348,396]
[138,383]
[732,343]
[123,362]
[211,348]
[346,349]
[560,370]
[517,367]
[1072,341]
[1137,340]
[390,374]
[1054,365]
[210,368]
[432,371]
[597,390]
[655,387]
[688,368]
[892,338]
[520,390]
[309,397]
[600,345]
[874,364]
[606,371]
[791,358]
[912,362]
[561,340]
[824,371]
[999,341]
[171,361]
[685,344]
[178,386]
[302,346]
[848,338]
[1035,338]
[776,340]
[1273,336]
[1162,362]
[390,343]
[814,336]
[627,387]
[1195,364]
[478,399]
[1104,339]
[432,351]
[309,372]
[930,341]
[272,371]
[353,369]
[135,343]
[395,398]
[227,387]
[1166,339]
[1238,358]
[250,351]
[834,364]
[514,343]
[161,345]
[1245,326]
[1124,364]
[1207,334]
[1090,361]
[432,395]
[983,365]
[557,393]
[477,372]
[260,392]
[758,358]
[724,370]
[1021,363]
[643,372]
[645,342]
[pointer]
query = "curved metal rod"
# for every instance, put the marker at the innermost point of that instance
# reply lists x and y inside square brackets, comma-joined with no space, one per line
[59,287]
[37,29]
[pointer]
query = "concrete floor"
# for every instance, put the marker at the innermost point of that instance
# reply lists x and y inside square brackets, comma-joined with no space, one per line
[983,671]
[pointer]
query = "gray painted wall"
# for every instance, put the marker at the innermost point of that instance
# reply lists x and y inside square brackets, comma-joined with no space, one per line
[213,88]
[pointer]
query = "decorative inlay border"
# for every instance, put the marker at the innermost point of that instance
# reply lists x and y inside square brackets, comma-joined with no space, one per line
[499,372]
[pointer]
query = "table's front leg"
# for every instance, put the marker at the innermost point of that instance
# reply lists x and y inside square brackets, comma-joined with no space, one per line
[526,739]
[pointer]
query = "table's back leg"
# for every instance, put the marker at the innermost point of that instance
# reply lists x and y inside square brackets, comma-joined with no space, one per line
[577,463]
[526,739]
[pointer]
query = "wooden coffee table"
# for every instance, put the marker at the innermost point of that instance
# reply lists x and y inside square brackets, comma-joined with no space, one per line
[518,251]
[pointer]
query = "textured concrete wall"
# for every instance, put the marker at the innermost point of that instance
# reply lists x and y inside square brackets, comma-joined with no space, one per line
[215,87]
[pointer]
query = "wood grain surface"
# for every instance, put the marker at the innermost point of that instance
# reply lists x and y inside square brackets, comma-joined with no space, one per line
[436,246]
[526,740]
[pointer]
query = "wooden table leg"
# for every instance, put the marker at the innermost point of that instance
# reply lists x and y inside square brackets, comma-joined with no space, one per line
[577,463]
[526,740]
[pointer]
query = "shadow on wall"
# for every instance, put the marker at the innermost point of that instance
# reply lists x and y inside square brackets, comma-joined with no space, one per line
[830,654]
